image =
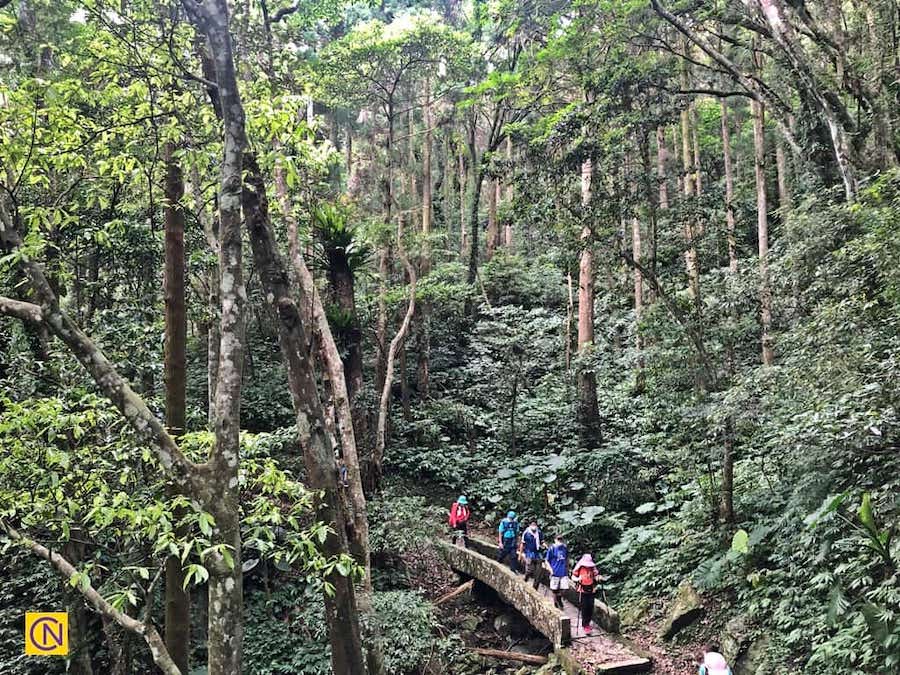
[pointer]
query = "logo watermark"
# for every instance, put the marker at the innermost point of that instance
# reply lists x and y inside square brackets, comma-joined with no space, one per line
[46,633]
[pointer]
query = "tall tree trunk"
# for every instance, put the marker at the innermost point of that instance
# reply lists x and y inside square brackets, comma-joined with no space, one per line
[508,228]
[220,485]
[695,142]
[727,506]
[423,337]
[213,300]
[492,234]
[318,452]
[762,224]
[474,200]
[690,254]
[344,387]
[384,272]
[729,189]
[177,599]
[638,301]
[570,314]
[463,237]
[411,168]
[448,173]
[651,197]
[691,225]
[343,285]
[661,156]
[116,647]
[588,411]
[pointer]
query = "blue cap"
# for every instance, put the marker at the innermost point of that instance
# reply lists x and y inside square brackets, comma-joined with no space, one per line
[511,514]
[462,500]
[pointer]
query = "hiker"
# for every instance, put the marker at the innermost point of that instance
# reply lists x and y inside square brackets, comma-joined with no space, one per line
[459,519]
[558,566]
[507,536]
[585,576]
[713,662]
[532,539]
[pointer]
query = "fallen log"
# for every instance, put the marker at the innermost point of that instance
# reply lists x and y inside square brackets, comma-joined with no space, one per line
[459,590]
[531,659]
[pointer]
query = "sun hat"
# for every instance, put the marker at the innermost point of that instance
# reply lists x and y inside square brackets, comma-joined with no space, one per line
[586,561]
[511,514]
[715,664]
[462,500]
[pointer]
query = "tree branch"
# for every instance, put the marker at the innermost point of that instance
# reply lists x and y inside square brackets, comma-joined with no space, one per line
[110,382]
[26,311]
[381,433]
[285,11]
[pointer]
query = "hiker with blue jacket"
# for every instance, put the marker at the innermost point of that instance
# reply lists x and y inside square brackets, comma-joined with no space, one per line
[507,540]
[558,566]
[532,540]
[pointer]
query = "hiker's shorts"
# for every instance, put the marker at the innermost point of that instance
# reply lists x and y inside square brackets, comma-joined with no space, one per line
[559,583]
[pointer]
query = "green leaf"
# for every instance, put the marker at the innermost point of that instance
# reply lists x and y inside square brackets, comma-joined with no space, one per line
[739,542]
[206,522]
[866,516]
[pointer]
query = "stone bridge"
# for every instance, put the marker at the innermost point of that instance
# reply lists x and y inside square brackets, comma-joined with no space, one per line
[601,652]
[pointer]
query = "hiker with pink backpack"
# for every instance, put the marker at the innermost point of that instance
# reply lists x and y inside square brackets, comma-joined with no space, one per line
[713,662]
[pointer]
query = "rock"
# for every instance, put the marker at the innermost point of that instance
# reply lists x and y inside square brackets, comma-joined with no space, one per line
[734,639]
[685,609]
[636,613]
[753,661]
[510,625]
[470,623]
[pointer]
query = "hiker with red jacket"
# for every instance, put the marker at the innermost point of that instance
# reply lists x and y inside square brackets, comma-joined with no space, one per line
[459,519]
[585,575]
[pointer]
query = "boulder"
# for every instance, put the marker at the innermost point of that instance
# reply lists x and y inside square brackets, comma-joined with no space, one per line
[734,638]
[686,608]
[636,613]
[753,661]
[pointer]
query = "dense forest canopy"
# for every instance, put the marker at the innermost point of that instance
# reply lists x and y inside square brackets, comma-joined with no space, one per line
[279,279]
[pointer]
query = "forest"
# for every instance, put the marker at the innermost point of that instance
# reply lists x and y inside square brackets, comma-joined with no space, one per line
[283,280]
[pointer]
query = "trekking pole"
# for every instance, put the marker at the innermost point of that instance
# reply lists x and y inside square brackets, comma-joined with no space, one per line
[603,579]
[578,613]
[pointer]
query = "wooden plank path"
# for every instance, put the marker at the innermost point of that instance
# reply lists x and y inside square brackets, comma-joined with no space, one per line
[580,654]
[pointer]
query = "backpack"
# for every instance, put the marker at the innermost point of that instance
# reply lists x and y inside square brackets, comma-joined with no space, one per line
[585,576]
[510,527]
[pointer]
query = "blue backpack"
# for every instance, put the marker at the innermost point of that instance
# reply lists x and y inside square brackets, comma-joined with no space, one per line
[510,528]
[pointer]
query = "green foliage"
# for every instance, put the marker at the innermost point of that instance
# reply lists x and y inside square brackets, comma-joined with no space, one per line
[69,468]
[286,633]
[410,629]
